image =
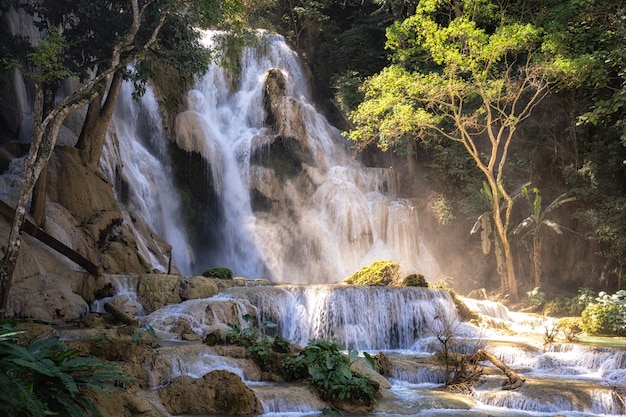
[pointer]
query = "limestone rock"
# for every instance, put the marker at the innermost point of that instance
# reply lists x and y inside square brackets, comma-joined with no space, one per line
[227,311]
[192,288]
[157,290]
[121,404]
[218,392]
[46,297]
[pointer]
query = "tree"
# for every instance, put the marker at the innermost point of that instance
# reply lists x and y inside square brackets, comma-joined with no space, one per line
[133,34]
[535,222]
[453,79]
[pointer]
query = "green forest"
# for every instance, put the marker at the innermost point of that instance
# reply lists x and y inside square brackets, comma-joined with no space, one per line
[506,116]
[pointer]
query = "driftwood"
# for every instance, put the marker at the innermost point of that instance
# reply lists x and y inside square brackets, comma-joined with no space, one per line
[515,381]
[120,315]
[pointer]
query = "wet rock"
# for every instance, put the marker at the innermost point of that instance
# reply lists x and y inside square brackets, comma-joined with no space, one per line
[216,335]
[192,288]
[157,290]
[218,392]
[365,369]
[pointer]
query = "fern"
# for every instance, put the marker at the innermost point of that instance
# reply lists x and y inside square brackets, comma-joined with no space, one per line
[49,378]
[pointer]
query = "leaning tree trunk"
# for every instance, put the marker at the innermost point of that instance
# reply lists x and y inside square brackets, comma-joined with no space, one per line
[44,140]
[38,202]
[515,381]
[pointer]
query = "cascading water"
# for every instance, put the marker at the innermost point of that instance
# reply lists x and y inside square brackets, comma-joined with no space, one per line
[325,215]
[408,325]
[317,224]
[139,166]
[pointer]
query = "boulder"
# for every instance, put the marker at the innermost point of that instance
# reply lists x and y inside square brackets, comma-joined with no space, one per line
[122,404]
[218,392]
[192,288]
[46,297]
[157,290]
[378,273]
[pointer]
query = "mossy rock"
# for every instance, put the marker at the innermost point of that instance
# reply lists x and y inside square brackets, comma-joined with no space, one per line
[378,273]
[414,280]
[218,272]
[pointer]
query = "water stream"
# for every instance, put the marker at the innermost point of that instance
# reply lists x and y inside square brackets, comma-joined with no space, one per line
[572,379]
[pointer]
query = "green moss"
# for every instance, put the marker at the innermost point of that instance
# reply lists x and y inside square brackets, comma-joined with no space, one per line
[218,272]
[414,280]
[378,273]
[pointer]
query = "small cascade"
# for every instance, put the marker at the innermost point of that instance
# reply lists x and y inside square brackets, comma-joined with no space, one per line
[136,160]
[498,313]
[284,400]
[402,322]
[406,317]
[125,294]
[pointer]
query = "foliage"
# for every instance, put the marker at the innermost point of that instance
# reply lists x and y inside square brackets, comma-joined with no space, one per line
[571,327]
[468,78]
[329,372]
[218,272]
[414,280]
[536,298]
[378,273]
[607,315]
[563,305]
[48,378]
[260,348]
[536,222]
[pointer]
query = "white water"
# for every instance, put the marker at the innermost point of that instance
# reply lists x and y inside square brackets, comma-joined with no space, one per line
[334,217]
[137,162]
[569,379]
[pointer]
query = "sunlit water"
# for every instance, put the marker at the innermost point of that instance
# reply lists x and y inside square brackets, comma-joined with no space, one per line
[563,378]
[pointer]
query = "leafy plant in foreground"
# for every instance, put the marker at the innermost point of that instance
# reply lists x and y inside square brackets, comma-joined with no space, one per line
[330,373]
[49,378]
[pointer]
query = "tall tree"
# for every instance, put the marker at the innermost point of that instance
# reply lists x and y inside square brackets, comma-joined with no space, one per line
[132,35]
[460,74]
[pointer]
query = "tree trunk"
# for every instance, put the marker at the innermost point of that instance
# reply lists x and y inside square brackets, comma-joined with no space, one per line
[537,259]
[44,140]
[93,134]
[38,203]
[515,381]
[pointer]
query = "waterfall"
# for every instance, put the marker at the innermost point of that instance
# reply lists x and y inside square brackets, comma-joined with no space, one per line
[318,215]
[397,318]
[405,324]
[136,159]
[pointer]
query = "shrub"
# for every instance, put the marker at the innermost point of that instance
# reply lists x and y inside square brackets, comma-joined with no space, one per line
[571,327]
[263,350]
[607,315]
[329,372]
[414,280]
[378,273]
[47,377]
[218,272]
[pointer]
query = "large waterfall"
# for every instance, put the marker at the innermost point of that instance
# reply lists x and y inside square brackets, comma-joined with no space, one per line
[293,203]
